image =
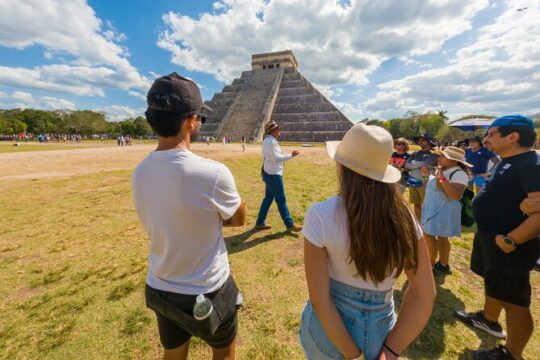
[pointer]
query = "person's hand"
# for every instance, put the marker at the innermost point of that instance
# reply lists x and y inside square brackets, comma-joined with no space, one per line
[530,205]
[386,355]
[295,153]
[425,171]
[506,248]
[439,173]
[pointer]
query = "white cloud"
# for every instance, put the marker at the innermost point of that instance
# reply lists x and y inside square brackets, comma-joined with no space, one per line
[334,43]
[66,27]
[495,74]
[137,94]
[121,112]
[23,99]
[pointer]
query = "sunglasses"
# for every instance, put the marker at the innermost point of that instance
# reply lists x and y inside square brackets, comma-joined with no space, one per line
[202,118]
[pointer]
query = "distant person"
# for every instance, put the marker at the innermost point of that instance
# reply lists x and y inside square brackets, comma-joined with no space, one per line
[243,144]
[353,255]
[399,158]
[184,201]
[441,210]
[463,144]
[507,242]
[419,159]
[479,157]
[272,175]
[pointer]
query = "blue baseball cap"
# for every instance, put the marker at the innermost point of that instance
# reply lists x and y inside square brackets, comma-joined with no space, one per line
[513,120]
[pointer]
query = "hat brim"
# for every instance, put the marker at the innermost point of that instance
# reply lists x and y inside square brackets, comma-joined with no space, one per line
[417,138]
[459,161]
[391,174]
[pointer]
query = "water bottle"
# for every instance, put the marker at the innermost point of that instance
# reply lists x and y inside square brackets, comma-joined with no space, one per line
[202,308]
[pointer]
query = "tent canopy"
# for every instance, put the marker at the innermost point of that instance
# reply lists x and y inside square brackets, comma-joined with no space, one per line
[472,124]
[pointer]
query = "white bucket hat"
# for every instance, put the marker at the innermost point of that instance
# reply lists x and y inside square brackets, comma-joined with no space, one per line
[366,150]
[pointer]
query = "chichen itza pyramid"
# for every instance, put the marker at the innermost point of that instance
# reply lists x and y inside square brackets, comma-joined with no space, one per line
[274,90]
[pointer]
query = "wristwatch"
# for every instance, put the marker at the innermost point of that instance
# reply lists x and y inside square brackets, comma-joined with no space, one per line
[508,240]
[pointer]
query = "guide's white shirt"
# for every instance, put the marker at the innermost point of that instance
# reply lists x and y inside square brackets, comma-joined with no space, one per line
[182,200]
[273,157]
[325,226]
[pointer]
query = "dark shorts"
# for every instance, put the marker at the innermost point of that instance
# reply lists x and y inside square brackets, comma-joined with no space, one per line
[175,316]
[506,276]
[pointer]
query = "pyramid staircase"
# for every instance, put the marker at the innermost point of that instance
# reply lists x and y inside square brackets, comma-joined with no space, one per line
[278,93]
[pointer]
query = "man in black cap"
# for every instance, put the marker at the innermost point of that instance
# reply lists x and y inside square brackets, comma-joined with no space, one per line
[183,201]
[415,163]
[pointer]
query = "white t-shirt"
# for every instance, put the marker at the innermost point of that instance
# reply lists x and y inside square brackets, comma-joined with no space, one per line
[273,157]
[182,200]
[459,176]
[325,225]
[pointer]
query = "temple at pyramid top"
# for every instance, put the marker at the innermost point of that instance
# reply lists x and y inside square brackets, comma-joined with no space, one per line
[273,60]
[274,90]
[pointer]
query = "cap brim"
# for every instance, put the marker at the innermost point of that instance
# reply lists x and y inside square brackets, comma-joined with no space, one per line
[206,107]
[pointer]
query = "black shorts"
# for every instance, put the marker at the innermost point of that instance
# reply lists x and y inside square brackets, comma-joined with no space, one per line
[175,316]
[506,276]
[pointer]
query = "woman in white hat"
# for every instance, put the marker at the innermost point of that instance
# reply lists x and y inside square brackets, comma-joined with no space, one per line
[356,244]
[441,210]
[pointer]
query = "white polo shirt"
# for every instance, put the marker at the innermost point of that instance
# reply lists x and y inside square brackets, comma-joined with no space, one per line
[273,157]
[182,200]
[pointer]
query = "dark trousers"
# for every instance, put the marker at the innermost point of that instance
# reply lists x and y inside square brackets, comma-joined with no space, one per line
[274,191]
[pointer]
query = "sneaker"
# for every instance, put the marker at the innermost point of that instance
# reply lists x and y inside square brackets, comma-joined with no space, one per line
[445,269]
[294,228]
[263,227]
[498,353]
[478,320]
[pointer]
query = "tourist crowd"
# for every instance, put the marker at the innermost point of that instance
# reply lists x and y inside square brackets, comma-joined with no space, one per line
[356,243]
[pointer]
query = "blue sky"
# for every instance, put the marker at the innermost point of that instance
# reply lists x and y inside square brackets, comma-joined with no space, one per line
[376,59]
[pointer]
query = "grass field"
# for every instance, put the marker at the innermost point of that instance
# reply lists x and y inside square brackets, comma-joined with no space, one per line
[73,263]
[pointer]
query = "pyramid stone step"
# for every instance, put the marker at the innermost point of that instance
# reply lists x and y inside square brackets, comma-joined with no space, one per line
[305,90]
[302,108]
[313,116]
[312,136]
[292,84]
[314,126]
[299,99]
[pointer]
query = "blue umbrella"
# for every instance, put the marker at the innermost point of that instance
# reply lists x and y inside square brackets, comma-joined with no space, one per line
[472,124]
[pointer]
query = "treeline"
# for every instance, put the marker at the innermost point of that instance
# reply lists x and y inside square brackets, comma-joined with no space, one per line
[435,124]
[84,122]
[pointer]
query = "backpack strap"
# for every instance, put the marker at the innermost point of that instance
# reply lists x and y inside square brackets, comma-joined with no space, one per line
[455,171]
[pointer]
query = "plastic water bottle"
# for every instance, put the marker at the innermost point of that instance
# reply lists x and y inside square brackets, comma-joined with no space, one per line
[202,308]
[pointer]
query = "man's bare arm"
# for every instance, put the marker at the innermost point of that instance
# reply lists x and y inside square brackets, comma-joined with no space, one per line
[239,217]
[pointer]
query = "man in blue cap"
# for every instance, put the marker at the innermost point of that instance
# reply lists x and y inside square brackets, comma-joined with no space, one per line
[507,242]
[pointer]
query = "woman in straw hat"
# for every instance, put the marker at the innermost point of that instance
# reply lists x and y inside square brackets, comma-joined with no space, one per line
[441,210]
[356,244]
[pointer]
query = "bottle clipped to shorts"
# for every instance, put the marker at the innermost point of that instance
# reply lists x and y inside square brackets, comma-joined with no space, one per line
[202,308]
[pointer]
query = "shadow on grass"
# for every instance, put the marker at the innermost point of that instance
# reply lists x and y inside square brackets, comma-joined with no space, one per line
[431,344]
[243,241]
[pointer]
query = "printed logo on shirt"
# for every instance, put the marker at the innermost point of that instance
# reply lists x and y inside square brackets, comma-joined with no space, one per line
[505,167]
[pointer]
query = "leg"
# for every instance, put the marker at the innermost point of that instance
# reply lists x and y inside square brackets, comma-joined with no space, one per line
[444,249]
[265,205]
[179,353]
[519,324]
[278,190]
[431,242]
[492,309]
[227,353]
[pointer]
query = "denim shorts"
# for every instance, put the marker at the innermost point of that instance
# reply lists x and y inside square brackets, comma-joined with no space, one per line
[368,315]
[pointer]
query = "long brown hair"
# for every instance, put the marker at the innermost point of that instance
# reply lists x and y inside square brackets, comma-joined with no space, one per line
[382,233]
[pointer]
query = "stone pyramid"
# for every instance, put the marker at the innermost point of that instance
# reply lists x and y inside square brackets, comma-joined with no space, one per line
[274,90]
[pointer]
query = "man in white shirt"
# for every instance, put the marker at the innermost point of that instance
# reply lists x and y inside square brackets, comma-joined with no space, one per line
[272,174]
[183,201]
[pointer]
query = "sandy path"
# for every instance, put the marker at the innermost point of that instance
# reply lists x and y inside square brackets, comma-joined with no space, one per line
[62,163]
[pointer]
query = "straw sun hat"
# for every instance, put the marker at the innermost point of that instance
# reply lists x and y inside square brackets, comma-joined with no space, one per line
[366,150]
[456,154]
[270,126]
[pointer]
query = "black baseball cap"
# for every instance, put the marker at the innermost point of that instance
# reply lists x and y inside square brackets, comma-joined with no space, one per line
[176,93]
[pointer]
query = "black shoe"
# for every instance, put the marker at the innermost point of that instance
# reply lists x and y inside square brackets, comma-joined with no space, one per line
[445,269]
[498,353]
[478,321]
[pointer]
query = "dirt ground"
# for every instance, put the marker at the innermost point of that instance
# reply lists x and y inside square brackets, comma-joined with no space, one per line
[63,163]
